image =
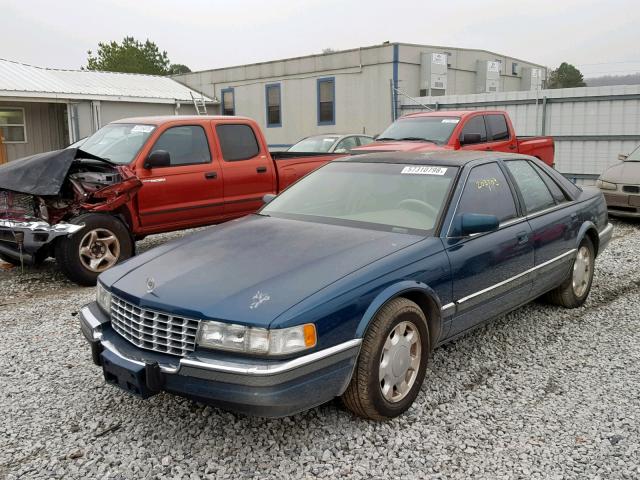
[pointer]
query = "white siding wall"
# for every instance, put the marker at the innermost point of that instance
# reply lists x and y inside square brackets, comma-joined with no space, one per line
[587,123]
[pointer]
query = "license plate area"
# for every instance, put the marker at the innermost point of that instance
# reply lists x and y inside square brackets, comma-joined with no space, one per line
[126,375]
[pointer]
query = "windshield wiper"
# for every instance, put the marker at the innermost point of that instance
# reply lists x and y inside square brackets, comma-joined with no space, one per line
[418,139]
[382,139]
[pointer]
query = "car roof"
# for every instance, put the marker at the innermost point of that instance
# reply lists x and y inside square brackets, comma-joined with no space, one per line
[450,113]
[161,119]
[446,158]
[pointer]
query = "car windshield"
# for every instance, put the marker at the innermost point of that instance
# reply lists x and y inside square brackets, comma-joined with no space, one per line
[634,156]
[118,142]
[318,144]
[381,196]
[431,129]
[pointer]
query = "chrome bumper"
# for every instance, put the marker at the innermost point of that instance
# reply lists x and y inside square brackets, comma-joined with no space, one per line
[33,235]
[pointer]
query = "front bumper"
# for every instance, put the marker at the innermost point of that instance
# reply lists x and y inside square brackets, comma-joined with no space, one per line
[21,240]
[262,387]
[622,204]
[605,236]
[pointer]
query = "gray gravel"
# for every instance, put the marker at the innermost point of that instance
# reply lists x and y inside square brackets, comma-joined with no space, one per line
[541,393]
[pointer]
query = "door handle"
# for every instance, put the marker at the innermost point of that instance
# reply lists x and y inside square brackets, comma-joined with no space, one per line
[261,169]
[522,237]
[512,147]
[211,175]
[489,149]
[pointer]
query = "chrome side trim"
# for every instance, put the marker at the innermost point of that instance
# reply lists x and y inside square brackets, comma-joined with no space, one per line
[240,368]
[446,308]
[515,277]
[606,231]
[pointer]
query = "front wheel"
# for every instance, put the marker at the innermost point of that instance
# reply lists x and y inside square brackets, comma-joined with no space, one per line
[392,362]
[102,243]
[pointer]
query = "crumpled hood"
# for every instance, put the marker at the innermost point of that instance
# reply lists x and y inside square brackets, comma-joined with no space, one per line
[399,147]
[252,270]
[41,174]
[627,173]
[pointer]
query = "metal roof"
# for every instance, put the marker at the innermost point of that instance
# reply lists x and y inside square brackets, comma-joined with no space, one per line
[27,81]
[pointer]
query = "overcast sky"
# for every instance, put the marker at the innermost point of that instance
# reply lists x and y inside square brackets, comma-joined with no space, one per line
[597,36]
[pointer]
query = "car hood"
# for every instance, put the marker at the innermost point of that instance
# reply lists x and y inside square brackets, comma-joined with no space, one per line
[251,271]
[624,172]
[399,147]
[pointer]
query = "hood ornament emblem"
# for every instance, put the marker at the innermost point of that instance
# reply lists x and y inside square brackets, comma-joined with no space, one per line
[151,284]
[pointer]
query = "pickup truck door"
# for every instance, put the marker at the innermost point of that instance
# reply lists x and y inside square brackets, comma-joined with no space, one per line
[488,269]
[554,222]
[474,125]
[500,135]
[249,172]
[189,192]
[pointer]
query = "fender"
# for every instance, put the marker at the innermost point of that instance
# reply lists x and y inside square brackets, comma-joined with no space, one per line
[389,293]
[584,228]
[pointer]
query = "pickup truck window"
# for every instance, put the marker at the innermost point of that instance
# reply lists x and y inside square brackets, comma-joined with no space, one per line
[431,129]
[487,192]
[118,142]
[497,126]
[380,196]
[237,141]
[187,145]
[475,125]
[535,193]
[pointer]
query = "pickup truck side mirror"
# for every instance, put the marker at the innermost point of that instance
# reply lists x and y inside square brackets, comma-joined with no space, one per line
[622,157]
[268,197]
[470,138]
[470,223]
[157,158]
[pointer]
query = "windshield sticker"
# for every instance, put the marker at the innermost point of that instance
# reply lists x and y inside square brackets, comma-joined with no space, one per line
[416,170]
[488,183]
[450,120]
[142,129]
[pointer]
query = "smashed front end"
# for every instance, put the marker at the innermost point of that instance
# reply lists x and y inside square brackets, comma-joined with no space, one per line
[40,197]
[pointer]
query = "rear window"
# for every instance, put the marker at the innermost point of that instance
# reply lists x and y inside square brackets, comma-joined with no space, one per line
[238,142]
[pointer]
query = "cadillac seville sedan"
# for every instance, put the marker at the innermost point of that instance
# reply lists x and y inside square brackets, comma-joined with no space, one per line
[342,285]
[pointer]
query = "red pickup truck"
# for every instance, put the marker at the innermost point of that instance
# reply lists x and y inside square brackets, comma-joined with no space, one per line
[459,130]
[136,177]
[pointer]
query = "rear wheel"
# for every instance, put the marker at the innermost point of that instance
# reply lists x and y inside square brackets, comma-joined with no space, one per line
[101,244]
[575,289]
[392,362]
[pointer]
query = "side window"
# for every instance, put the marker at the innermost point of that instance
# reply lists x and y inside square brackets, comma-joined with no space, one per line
[187,145]
[558,195]
[497,126]
[346,144]
[228,101]
[238,142]
[488,192]
[475,125]
[535,193]
[365,140]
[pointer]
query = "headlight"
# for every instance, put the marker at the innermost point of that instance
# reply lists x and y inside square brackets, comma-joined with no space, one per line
[103,298]
[606,185]
[238,338]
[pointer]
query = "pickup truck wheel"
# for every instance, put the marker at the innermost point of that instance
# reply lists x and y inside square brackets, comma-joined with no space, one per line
[575,289]
[103,242]
[392,362]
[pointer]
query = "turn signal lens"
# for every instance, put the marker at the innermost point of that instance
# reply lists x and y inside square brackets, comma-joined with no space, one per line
[309,335]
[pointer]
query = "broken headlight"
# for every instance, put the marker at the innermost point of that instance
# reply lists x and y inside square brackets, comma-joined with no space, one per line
[103,298]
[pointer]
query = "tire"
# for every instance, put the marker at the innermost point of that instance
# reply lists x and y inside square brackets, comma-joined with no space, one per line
[573,292]
[365,394]
[101,244]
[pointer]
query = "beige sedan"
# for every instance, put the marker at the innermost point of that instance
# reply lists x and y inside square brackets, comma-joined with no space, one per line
[620,185]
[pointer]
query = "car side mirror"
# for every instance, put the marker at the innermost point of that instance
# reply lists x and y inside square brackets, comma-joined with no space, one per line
[267,198]
[622,156]
[471,223]
[157,158]
[470,138]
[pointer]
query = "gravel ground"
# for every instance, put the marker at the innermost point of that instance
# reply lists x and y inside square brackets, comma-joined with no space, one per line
[541,393]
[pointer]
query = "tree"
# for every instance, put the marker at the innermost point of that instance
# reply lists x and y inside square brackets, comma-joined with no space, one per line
[565,76]
[130,56]
[178,68]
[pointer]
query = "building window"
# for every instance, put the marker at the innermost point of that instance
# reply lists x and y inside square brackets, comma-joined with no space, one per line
[228,101]
[274,105]
[514,68]
[12,125]
[326,101]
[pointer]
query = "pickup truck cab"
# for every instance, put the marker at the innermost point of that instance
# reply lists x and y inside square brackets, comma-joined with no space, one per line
[488,130]
[136,177]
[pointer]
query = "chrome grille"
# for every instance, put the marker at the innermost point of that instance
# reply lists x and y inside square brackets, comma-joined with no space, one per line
[153,330]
